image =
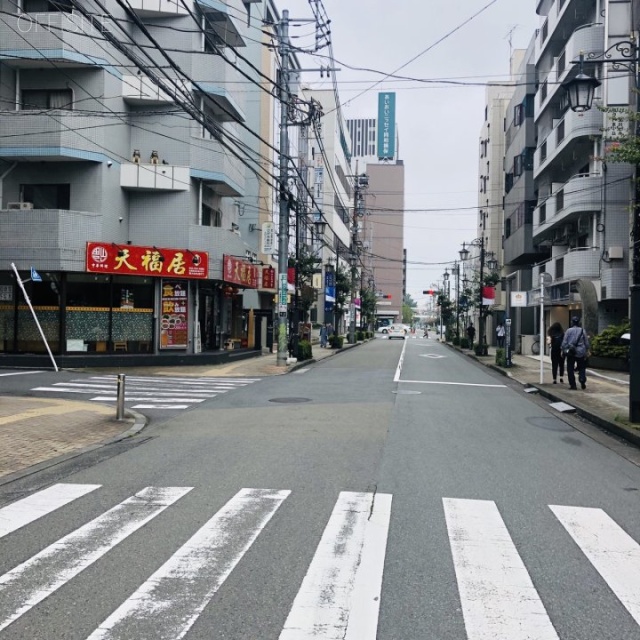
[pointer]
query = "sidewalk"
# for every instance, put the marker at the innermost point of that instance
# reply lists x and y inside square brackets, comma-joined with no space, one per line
[45,431]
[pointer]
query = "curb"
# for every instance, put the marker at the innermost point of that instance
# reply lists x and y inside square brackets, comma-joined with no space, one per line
[139,423]
[333,352]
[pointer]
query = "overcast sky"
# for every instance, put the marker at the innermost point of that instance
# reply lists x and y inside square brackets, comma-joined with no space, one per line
[439,126]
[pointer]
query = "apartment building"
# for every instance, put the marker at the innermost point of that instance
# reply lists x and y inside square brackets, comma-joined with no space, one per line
[114,189]
[582,212]
[519,251]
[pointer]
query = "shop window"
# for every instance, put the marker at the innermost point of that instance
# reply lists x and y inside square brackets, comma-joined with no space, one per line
[45,298]
[39,99]
[46,196]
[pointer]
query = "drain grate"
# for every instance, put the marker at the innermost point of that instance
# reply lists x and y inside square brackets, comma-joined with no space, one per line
[290,400]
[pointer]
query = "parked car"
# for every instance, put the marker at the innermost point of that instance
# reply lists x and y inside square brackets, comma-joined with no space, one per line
[396,331]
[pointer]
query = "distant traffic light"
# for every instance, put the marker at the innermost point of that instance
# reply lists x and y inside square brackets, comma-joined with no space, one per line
[387,296]
[428,292]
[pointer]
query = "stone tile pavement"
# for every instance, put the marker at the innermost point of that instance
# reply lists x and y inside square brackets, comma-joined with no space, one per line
[36,430]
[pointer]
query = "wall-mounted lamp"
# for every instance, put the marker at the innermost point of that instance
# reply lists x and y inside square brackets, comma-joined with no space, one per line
[121,252]
[154,157]
[196,258]
[136,156]
[160,256]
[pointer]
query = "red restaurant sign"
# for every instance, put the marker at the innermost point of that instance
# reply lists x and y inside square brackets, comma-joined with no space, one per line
[237,271]
[105,257]
[268,278]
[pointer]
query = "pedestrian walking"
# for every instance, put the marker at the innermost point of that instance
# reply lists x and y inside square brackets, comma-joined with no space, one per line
[471,334]
[575,346]
[500,332]
[324,334]
[555,336]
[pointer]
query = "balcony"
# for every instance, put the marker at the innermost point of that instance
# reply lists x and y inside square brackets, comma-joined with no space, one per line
[31,135]
[154,177]
[562,18]
[214,164]
[220,82]
[224,19]
[580,194]
[68,39]
[571,135]
[158,8]
[588,39]
[53,239]
[141,90]
[575,264]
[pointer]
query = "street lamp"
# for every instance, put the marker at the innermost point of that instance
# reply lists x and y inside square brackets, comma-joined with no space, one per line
[464,255]
[456,272]
[580,92]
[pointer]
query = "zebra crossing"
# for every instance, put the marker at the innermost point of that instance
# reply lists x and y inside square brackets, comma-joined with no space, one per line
[341,593]
[150,392]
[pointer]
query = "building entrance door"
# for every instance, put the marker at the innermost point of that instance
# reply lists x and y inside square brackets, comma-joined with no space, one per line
[209,311]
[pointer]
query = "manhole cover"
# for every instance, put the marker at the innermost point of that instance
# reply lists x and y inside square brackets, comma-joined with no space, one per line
[290,400]
[406,392]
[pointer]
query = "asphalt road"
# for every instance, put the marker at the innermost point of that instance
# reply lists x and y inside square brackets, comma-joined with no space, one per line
[396,491]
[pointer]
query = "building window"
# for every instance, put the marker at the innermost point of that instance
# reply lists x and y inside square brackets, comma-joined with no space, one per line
[507,227]
[543,92]
[545,31]
[559,268]
[562,63]
[543,213]
[560,132]
[517,166]
[47,196]
[518,115]
[44,6]
[508,182]
[211,217]
[559,201]
[38,99]
[543,151]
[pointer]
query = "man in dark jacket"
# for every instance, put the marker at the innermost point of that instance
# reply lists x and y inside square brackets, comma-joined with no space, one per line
[577,356]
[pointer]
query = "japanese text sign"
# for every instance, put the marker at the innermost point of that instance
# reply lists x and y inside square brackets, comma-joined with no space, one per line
[237,271]
[103,257]
[174,318]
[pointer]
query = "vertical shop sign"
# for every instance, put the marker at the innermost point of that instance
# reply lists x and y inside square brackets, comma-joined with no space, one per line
[174,317]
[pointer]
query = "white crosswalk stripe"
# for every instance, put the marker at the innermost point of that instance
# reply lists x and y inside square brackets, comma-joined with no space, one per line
[341,593]
[161,392]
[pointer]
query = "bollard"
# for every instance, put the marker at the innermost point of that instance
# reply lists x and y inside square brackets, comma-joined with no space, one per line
[120,398]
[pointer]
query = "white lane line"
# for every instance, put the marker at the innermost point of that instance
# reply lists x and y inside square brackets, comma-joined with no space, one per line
[396,377]
[139,389]
[340,595]
[20,373]
[160,406]
[454,384]
[610,549]
[31,582]
[22,512]
[149,398]
[169,602]
[499,601]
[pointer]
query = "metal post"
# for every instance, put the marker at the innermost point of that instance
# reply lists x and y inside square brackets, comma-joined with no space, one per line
[541,349]
[120,397]
[482,338]
[353,257]
[283,227]
[457,266]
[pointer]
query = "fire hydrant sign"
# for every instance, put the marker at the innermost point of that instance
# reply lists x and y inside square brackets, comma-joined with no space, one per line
[174,317]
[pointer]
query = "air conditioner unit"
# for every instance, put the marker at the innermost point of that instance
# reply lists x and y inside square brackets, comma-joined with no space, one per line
[20,205]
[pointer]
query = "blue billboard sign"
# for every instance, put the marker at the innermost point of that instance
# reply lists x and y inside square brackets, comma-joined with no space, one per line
[386,126]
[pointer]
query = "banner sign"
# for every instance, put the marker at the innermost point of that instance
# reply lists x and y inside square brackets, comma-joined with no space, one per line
[283,293]
[237,271]
[174,317]
[488,296]
[329,298]
[268,278]
[518,298]
[386,125]
[131,260]
[268,238]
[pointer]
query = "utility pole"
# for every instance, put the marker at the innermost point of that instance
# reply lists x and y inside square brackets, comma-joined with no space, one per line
[283,228]
[360,183]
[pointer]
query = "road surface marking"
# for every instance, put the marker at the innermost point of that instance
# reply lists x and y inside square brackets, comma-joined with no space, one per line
[340,595]
[160,406]
[140,398]
[499,601]
[169,602]
[25,511]
[396,377]
[20,373]
[461,384]
[31,582]
[610,549]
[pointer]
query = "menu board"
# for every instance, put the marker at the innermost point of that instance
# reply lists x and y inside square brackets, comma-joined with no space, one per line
[174,317]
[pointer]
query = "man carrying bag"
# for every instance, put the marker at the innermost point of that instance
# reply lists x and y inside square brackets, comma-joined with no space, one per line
[575,346]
